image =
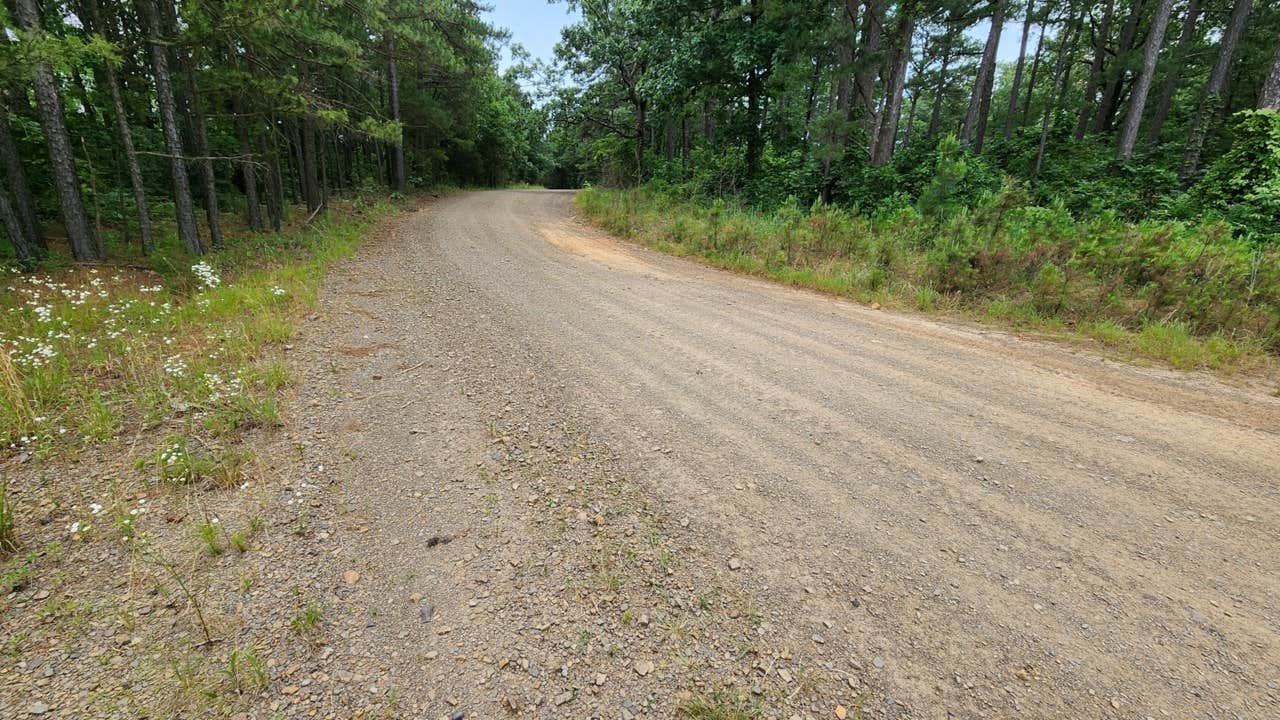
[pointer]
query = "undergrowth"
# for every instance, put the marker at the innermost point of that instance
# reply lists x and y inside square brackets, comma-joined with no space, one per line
[1188,296]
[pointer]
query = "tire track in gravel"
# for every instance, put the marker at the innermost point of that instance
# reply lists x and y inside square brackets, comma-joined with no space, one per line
[1133,565]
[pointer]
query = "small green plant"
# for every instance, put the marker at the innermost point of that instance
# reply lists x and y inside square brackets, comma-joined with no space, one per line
[721,705]
[13,644]
[8,533]
[155,558]
[246,671]
[18,575]
[301,526]
[210,537]
[126,526]
[177,463]
[306,623]
[238,542]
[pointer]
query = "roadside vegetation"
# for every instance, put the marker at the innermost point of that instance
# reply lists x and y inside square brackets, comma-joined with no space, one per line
[1189,296]
[94,354]
[175,178]
[1106,182]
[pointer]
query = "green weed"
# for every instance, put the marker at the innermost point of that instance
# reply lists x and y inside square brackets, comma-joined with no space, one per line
[8,531]
[721,705]
[306,622]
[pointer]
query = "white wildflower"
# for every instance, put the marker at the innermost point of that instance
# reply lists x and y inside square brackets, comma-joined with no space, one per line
[206,274]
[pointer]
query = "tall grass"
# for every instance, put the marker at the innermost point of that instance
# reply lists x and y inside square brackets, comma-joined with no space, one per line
[87,354]
[1189,296]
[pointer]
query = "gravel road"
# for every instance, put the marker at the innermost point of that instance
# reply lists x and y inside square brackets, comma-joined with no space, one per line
[983,525]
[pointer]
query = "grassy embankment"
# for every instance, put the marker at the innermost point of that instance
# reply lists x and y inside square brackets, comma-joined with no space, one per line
[179,361]
[1185,296]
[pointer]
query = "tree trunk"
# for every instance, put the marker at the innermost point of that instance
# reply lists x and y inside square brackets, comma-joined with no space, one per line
[887,132]
[940,95]
[84,246]
[24,207]
[835,140]
[275,183]
[1115,84]
[1269,99]
[975,121]
[1175,71]
[1208,112]
[1095,69]
[188,231]
[201,134]
[844,55]
[248,166]
[1061,69]
[398,179]
[1142,85]
[1035,71]
[868,49]
[911,118]
[1017,71]
[13,227]
[641,125]
[310,166]
[96,24]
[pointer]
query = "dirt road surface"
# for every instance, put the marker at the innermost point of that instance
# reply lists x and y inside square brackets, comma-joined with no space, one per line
[843,508]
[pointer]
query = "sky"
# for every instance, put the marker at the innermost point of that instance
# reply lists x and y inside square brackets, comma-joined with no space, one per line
[536,25]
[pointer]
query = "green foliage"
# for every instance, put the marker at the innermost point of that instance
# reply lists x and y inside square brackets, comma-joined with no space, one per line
[1244,184]
[1189,295]
[721,705]
[306,623]
[8,531]
[939,198]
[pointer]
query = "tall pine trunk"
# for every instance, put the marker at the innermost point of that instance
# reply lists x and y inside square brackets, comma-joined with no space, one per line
[184,210]
[310,167]
[23,205]
[1269,98]
[1185,37]
[887,131]
[1114,86]
[1142,85]
[1207,115]
[200,135]
[844,90]
[975,121]
[866,60]
[393,91]
[940,93]
[1095,70]
[84,247]
[13,227]
[1017,71]
[248,165]
[1061,71]
[122,127]
[1035,71]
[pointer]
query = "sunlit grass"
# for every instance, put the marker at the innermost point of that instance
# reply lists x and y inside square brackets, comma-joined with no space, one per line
[90,354]
[865,260]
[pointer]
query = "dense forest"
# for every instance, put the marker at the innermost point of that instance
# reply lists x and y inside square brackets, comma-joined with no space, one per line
[1115,176]
[1141,108]
[127,124]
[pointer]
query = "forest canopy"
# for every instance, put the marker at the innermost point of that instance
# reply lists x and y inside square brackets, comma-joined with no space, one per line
[1137,108]
[128,123]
